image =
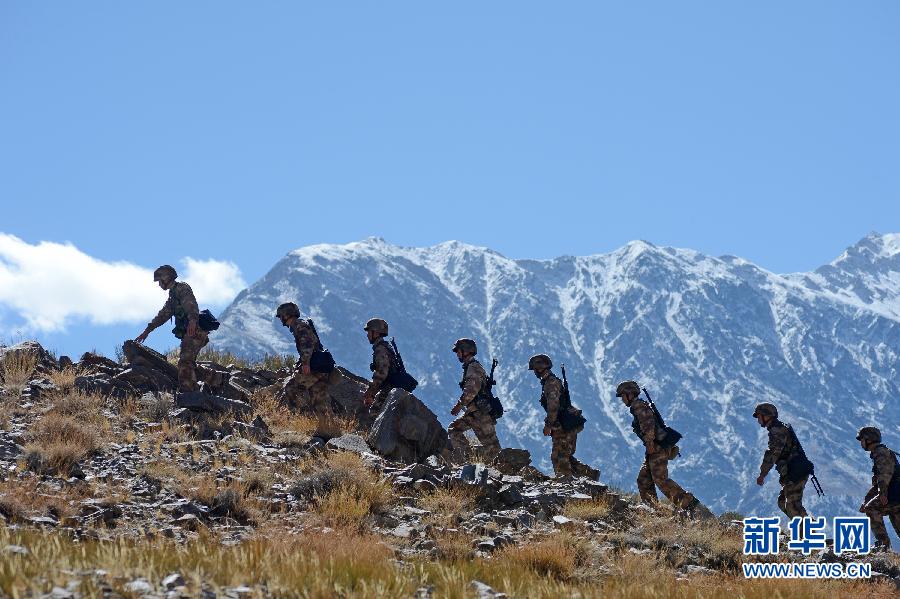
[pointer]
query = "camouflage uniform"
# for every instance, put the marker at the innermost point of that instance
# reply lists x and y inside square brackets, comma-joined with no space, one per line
[884,472]
[562,455]
[480,421]
[183,306]
[382,358]
[655,470]
[312,387]
[783,447]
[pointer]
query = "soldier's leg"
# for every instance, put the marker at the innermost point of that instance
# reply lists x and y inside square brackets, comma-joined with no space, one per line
[646,488]
[320,406]
[292,393]
[659,470]
[894,516]
[876,515]
[457,434]
[187,360]
[561,454]
[790,500]
[486,432]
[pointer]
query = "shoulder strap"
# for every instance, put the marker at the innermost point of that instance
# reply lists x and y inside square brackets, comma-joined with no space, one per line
[312,325]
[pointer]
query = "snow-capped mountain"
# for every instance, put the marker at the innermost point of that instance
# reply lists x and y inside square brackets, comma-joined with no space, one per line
[709,337]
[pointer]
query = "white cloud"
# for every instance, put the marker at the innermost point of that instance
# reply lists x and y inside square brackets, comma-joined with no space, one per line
[48,284]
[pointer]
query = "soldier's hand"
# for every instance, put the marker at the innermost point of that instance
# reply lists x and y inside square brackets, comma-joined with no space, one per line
[651,447]
[862,509]
[305,369]
[760,479]
[456,409]
[546,431]
[191,328]
[142,337]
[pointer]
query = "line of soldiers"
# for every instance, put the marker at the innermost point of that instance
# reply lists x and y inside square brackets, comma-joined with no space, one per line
[307,390]
[786,455]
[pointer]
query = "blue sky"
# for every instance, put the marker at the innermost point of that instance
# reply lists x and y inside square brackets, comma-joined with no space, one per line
[151,132]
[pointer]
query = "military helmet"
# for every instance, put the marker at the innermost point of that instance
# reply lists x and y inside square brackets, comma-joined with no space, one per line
[869,432]
[629,387]
[378,325]
[287,310]
[165,272]
[465,344]
[765,409]
[540,361]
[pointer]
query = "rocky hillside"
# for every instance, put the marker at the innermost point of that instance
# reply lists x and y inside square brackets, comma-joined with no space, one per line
[109,488]
[710,337]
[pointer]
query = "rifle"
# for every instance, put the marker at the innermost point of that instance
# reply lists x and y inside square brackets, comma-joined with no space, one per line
[397,354]
[671,436]
[490,381]
[562,369]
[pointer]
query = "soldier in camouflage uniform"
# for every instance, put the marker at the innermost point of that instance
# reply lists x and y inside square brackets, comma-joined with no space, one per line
[183,306]
[562,455]
[783,446]
[475,415]
[306,390]
[655,470]
[883,499]
[382,360]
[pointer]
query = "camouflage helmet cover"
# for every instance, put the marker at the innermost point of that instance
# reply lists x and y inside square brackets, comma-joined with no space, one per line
[287,310]
[869,432]
[465,344]
[165,272]
[629,387]
[377,325]
[765,409]
[539,361]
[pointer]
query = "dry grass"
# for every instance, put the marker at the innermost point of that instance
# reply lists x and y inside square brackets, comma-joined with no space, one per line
[557,556]
[449,506]
[16,369]
[58,442]
[344,490]
[268,362]
[588,509]
[64,379]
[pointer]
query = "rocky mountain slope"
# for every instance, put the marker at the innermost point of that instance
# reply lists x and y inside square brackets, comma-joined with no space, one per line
[709,337]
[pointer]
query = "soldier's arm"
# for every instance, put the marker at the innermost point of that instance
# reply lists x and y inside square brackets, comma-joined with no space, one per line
[551,392]
[382,361]
[165,314]
[188,302]
[647,422]
[884,467]
[471,387]
[306,342]
[778,437]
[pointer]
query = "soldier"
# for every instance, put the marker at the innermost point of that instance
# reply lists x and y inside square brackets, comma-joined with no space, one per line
[382,360]
[183,306]
[783,447]
[305,382]
[655,470]
[476,412]
[563,421]
[883,499]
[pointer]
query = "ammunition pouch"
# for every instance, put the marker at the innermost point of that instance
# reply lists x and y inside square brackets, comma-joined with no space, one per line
[400,379]
[798,468]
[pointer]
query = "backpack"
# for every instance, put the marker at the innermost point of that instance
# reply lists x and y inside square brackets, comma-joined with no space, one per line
[321,360]
[799,466]
[397,377]
[207,321]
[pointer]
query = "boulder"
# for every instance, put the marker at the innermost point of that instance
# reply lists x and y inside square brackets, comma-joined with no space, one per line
[201,402]
[141,355]
[406,430]
[345,390]
[512,461]
[146,379]
[31,351]
[349,442]
[102,384]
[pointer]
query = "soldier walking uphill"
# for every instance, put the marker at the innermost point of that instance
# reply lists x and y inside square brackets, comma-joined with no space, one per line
[883,499]
[306,390]
[183,306]
[473,404]
[382,360]
[655,470]
[786,455]
[563,421]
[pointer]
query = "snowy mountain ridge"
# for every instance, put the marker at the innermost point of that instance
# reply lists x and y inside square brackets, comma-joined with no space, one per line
[709,337]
